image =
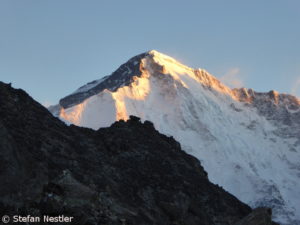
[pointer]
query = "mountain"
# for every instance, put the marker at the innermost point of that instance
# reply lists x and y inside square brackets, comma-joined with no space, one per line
[249,142]
[112,176]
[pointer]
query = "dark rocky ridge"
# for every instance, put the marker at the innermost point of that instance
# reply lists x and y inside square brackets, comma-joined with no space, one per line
[122,76]
[128,173]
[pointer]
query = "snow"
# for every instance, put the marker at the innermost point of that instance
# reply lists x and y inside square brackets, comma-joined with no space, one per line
[236,145]
[84,114]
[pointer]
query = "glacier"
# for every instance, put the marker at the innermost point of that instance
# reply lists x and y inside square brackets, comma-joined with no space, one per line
[248,142]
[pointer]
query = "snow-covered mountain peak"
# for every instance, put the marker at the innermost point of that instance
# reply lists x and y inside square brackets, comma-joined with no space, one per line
[248,141]
[166,60]
[181,73]
[154,52]
[146,64]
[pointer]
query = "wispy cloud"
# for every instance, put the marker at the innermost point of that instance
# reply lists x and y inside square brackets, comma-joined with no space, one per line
[295,87]
[232,78]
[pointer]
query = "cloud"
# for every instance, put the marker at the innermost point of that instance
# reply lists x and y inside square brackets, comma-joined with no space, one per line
[232,78]
[295,87]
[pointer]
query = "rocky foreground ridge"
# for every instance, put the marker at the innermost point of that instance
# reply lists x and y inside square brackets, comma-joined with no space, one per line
[128,173]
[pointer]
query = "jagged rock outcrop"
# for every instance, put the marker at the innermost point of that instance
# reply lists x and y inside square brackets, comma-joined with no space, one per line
[259,216]
[128,173]
[282,110]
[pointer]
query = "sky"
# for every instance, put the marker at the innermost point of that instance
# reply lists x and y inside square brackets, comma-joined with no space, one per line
[50,48]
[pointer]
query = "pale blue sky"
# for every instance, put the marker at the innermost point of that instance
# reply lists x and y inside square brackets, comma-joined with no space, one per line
[51,47]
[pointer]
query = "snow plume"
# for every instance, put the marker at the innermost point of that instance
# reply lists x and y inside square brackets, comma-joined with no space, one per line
[232,78]
[296,87]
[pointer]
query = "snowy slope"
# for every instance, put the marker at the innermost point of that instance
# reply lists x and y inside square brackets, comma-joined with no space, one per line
[248,142]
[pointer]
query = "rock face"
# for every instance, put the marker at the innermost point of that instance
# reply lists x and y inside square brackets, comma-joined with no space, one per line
[259,216]
[282,110]
[126,72]
[248,142]
[128,173]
